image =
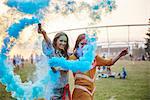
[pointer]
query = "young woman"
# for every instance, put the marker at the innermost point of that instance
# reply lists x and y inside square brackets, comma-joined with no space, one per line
[58,48]
[84,82]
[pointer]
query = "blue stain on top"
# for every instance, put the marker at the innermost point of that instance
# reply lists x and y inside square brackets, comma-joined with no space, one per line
[95,7]
[6,40]
[15,28]
[109,2]
[28,6]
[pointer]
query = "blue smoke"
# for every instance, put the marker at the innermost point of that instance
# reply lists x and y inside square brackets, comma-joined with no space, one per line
[15,28]
[28,90]
[28,6]
[83,64]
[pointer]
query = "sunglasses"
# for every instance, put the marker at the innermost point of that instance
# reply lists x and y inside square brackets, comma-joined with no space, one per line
[83,43]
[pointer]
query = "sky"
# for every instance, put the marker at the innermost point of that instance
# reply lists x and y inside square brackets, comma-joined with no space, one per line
[127,12]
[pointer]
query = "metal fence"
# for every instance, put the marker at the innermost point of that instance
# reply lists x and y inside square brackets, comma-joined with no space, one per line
[113,36]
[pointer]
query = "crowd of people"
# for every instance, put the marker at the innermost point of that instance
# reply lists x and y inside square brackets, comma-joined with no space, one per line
[19,61]
[142,57]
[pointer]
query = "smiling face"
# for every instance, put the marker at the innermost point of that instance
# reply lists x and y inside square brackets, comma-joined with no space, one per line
[61,42]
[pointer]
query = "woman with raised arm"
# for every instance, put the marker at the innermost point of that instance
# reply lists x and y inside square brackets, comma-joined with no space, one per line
[58,48]
[84,82]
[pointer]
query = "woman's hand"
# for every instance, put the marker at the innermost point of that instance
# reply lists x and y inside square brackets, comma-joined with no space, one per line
[124,52]
[40,30]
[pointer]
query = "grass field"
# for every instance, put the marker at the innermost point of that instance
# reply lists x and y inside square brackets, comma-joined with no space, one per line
[135,87]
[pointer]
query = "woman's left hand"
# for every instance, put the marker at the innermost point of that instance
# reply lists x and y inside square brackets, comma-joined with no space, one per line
[124,52]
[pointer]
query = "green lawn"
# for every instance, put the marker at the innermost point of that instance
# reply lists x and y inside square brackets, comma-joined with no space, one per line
[135,87]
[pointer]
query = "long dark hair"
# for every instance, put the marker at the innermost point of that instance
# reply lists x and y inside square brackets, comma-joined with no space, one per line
[79,38]
[65,51]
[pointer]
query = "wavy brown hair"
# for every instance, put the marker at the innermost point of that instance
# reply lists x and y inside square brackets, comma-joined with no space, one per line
[65,51]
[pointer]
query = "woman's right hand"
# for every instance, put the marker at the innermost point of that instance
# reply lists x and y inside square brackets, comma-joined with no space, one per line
[40,30]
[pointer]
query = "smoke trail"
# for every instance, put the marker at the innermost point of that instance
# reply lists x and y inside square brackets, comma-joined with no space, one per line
[15,28]
[82,64]
[28,6]
[29,90]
